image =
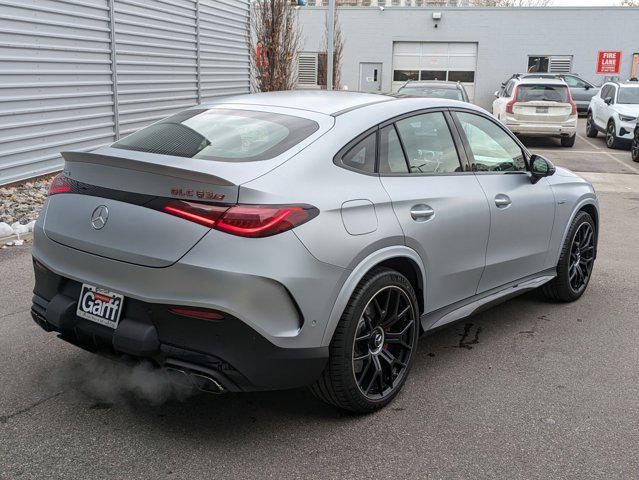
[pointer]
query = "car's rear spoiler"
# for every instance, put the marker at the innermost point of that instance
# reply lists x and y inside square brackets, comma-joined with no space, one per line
[187,169]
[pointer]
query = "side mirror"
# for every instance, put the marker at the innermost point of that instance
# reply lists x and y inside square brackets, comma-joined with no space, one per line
[587,87]
[540,167]
[496,93]
[608,100]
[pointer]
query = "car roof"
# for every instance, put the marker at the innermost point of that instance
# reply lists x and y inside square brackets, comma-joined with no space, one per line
[542,81]
[432,83]
[319,101]
[627,84]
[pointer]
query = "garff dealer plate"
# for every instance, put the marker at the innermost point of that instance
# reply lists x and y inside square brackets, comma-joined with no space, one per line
[100,305]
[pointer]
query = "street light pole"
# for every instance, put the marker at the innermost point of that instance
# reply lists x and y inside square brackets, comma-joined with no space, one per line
[330,46]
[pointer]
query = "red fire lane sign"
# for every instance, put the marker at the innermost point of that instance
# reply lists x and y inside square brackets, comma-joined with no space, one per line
[608,62]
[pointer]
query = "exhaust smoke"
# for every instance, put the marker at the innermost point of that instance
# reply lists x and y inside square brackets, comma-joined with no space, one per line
[108,382]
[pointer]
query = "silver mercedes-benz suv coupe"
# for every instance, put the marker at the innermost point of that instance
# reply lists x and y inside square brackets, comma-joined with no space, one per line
[279,240]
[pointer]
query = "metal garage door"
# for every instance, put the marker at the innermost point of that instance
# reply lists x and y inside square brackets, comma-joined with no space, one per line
[77,74]
[453,61]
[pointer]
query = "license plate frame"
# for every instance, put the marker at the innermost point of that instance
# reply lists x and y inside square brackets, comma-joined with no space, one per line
[100,305]
[541,110]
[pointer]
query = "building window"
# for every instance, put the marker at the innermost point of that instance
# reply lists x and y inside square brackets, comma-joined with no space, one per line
[432,75]
[549,63]
[405,75]
[467,76]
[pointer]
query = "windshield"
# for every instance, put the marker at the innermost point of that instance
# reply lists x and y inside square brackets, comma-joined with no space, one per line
[221,134]
[431,92]
[542,93]
[628,95]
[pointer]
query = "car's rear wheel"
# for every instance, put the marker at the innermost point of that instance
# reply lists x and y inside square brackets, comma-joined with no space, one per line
[576,261]
[568,141]
[373,346]
[612,141]
[635,146]
[591,130]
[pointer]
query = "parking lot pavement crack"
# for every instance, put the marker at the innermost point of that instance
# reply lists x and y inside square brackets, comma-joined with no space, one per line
[24,310]
[6,418]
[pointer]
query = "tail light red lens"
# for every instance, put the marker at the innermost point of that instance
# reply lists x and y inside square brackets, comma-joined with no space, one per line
[200,213]
[254,221]
[509,105]
[572,103]
[196,313]
[262,220]
[59,184]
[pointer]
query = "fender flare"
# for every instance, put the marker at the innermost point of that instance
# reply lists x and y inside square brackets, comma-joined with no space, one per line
[578,207]
[356,276]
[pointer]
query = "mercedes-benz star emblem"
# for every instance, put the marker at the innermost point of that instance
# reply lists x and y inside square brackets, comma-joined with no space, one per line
[99,217]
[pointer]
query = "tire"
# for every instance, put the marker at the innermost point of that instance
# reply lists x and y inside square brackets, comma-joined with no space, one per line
[563,287]
[338,385]
[634,150]
[612,141]
[591,129]
[568,141]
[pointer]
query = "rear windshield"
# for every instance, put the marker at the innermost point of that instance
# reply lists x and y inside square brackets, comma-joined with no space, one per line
[542,93]
[628,95]
[431,92]
[221,134]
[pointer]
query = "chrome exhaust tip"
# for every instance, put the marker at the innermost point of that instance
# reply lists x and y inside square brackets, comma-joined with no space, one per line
[198,380]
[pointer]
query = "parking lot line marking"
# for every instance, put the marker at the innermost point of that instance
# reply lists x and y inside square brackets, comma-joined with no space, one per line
[621,162]
[588,142]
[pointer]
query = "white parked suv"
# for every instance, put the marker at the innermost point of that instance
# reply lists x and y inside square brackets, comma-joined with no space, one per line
[538,107]
[614,112]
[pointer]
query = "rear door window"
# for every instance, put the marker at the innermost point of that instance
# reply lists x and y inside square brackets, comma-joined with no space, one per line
[221,134]
[542,93]
[428,144]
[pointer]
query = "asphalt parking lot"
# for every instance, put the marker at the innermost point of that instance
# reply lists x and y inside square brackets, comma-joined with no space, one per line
[528,389]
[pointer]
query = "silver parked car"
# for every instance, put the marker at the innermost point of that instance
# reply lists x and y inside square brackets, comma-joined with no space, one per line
[278,240]
[434,89]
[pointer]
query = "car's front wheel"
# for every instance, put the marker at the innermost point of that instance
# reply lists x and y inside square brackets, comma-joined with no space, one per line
[577,258]
[373,346]
[591,130]
[612,141]
[635,146]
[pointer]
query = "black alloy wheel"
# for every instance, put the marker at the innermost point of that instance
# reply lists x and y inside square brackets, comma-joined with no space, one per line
[582,257]
[635,146]
[591,130]
[383,342]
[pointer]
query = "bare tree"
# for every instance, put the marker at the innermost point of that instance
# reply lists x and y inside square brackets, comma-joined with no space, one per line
[338,49]
[629,3]
[511,3]
[274,45]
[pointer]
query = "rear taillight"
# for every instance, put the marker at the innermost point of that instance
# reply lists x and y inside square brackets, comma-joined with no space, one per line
[196,313]
[263,220]
[253,221]
[572,104]
[201,213]
[59,184]
[509,105]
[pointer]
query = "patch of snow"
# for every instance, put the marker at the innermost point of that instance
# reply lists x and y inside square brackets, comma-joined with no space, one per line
[5,230]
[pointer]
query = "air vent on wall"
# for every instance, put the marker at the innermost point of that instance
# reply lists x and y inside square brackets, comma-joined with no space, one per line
[560,64]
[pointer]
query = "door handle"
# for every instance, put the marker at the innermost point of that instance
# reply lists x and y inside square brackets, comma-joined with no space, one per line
[502,200]
[421,212]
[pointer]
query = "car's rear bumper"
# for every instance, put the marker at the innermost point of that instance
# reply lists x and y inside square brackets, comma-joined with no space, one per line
[227,350]
[567,129]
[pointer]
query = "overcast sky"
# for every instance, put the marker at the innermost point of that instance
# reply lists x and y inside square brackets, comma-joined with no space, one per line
[587,3]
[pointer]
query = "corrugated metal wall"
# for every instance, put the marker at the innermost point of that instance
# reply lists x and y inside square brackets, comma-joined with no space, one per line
[77,74]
